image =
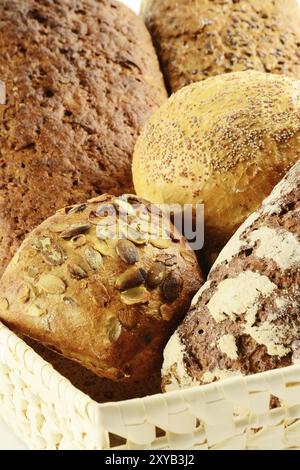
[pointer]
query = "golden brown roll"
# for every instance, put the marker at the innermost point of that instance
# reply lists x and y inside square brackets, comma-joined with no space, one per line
[102,285]
[224,142]
[196,39]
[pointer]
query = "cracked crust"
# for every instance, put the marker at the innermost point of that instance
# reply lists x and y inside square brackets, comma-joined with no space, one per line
[204,38]
[81,79]
[246,318]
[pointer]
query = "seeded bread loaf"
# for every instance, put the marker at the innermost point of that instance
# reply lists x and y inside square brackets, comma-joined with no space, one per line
[245,319]
[196,39]
[104,283]
[81,79]
[224,142]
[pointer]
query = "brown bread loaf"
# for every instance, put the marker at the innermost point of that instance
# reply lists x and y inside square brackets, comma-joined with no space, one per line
[196,39]
[81,79]
[246,317]
[104,283]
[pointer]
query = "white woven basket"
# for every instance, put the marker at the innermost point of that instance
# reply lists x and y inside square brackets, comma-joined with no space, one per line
[48,412]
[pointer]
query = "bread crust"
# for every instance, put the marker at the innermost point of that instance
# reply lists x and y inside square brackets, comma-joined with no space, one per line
[80,80]
[245,319]
[224,142]
[198,39]
[109,304]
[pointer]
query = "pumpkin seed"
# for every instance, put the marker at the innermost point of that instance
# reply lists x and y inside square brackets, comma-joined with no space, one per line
[128,318]
[76,271]
[76,208]
[172,286]
[103,248]
[74,230]
[4,304]
[78,240]
[156,274]
[101,198]
[51,284]
[114,330]
[58,228]
[135,296]
[54,256]
[124,207]
[23,294]
[127,251]
[93,258]
[34,311]
[166,312]
[132,277]
[136,237]
[161,243]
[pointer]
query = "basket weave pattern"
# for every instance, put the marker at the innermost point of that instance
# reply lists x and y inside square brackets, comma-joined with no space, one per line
[48,412]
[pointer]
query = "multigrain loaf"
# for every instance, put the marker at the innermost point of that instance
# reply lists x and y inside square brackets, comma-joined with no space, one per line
[196,39]
[246,317]
[104,283]
[224,142]
[81,79]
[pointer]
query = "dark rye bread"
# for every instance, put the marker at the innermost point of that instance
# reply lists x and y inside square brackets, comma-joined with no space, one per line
[197,39]
[246,318]
[81,79]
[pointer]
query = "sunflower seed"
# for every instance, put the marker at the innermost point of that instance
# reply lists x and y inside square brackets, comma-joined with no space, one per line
[76,208]
[54,256]
[34,311]
[127,251]
[114,330]
[4,304]
[135,296]
[78,240]
[172,286]
[58,228]
[124,207]
[101,198]
[74,230]
[93,258]
[99,293]
[161,243]
[76,271]
[188,255]
[51,284]
[132,277]
[23,295]
[156,274]
[128,318]
[167,259]
[40,244]
[70,302]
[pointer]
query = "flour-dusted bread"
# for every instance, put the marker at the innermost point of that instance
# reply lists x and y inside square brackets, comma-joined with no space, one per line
[104,283]
[246,318]
[81,79]
[196,39]
[224,142]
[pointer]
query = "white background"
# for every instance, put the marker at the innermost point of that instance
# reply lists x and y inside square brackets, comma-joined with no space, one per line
[7,438]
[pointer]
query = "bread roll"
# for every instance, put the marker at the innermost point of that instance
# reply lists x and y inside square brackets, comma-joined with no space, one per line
[103,284]
[81,79]
[245,319]
[224,142]
[196,39]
